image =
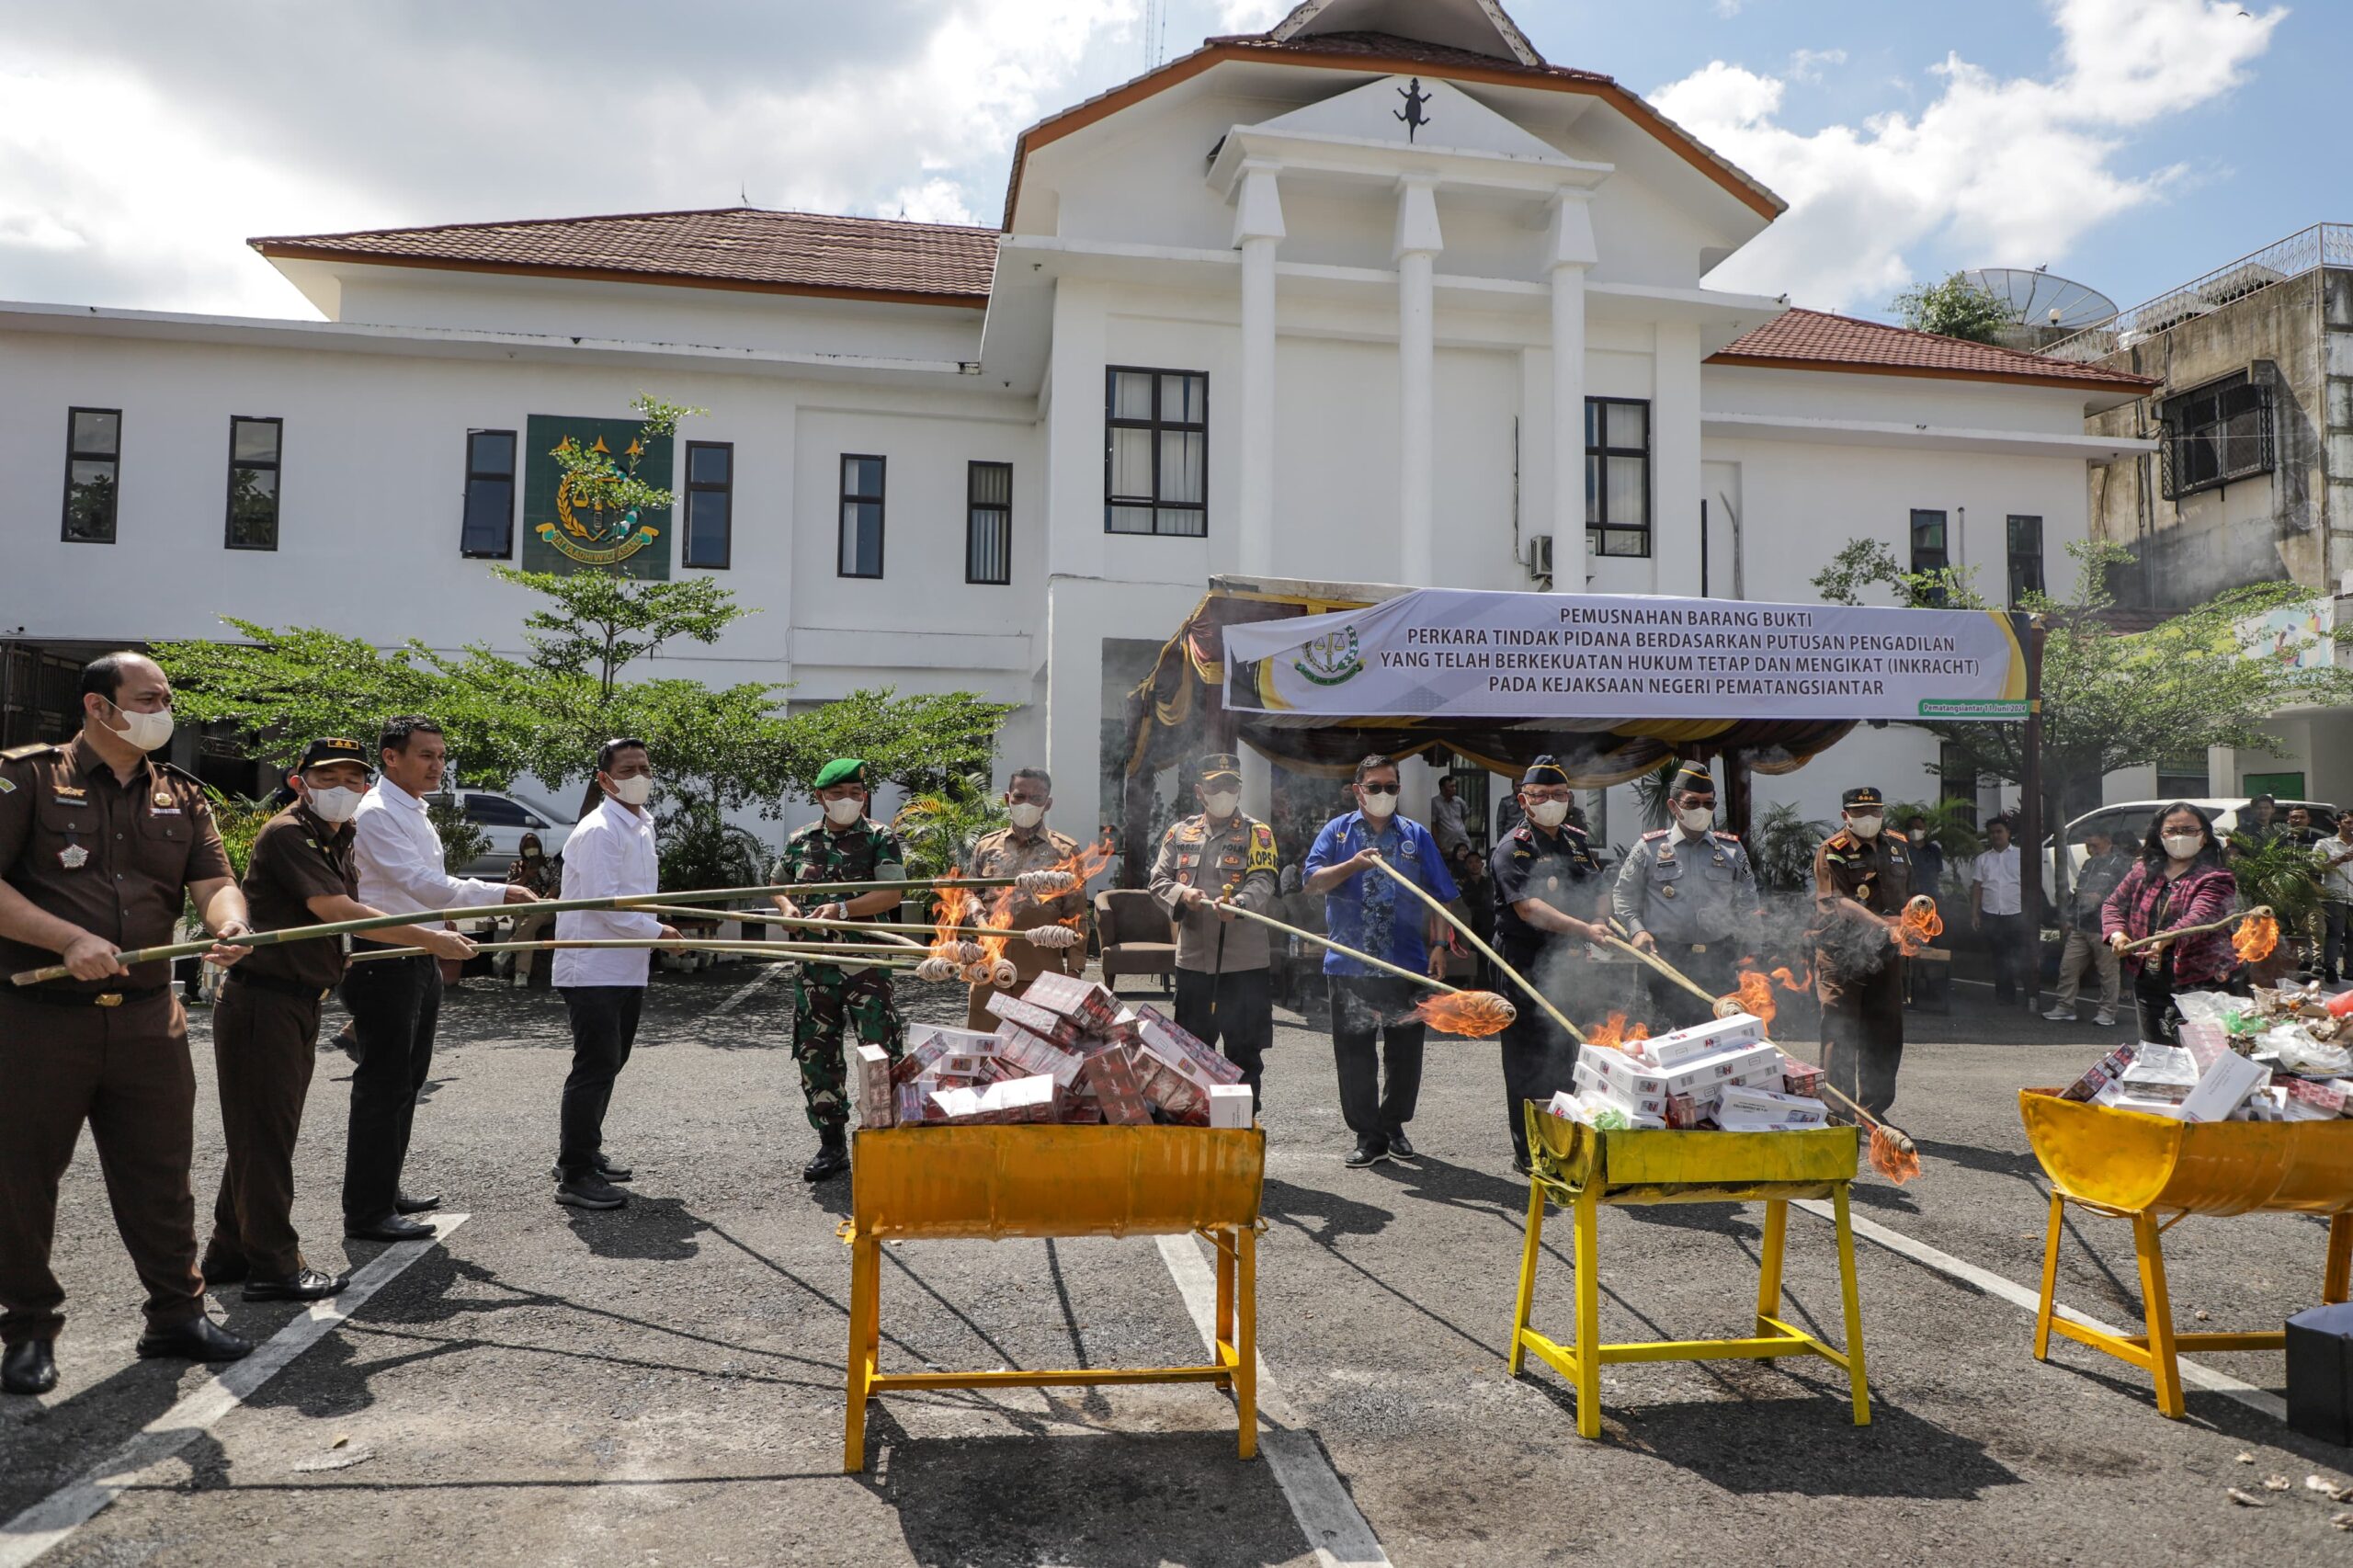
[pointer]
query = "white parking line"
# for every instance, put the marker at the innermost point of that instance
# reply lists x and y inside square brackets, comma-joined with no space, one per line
[2262,1400]
[743,993]
[1319,1501]
[46,1523]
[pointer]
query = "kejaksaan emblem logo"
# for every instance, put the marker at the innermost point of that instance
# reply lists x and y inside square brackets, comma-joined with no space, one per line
[593,533]
[1331,659]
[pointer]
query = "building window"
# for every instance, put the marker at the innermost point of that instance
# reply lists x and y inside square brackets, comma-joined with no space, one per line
[861,545]
[711,505]
[2215,435]
[489,529]
[1957,781]
[2182,778]
[1930,549]
[988,522]
[253,453]
[1156,452]
[93,465]
[1616,476]
[2026,557]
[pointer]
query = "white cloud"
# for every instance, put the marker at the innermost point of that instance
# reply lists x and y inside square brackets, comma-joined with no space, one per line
[2015,171]
[1728,9]
[1251,15]
[1806,64]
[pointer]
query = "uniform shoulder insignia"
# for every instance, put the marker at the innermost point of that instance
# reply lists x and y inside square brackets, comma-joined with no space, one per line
[1061,841]
[176,770]
[1655,833]
[1729,837]
[1896,837]
[27,753]
[1262,833]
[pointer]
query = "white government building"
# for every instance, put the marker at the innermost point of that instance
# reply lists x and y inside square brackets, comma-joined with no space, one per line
[1377,296]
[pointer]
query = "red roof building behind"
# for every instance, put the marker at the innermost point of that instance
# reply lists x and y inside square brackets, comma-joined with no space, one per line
[1817,340]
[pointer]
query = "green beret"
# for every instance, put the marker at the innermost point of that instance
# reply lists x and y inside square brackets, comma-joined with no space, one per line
[841,770]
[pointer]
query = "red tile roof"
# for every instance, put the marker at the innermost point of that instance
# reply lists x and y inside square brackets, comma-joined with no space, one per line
[734,247]
[1817,340]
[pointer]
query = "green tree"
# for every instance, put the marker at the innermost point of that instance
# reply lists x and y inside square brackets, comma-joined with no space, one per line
[599,622]
[931,743]
[1957,307]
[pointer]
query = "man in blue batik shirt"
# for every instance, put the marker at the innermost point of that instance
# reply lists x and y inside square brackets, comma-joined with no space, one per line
[1365,909]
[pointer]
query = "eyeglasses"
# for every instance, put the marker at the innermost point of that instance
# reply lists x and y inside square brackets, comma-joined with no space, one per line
[1377,789]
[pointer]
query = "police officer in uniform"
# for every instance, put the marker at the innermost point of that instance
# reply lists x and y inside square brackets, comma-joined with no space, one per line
[1687,893]
[1862,879]
[1225,986]
[99,843]
[843,845]
[266,1028]
[1544,871]
[1029,845]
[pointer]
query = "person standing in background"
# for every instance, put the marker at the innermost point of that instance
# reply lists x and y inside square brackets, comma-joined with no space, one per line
[533,871]
[1998,909]
[2336,854]
[396,1002]
[1450,816]
[1925,981]
[2104,867]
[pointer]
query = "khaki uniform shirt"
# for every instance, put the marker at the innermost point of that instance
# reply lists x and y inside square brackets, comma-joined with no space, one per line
[114,858]
[1236,861]
[1005,854]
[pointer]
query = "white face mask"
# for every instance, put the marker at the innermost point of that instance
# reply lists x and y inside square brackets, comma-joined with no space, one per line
[1696,819]
[1379,807]
[337,805]
[1026,814]
[144,731]
[846,810]
[2183,845]
[1221,803]
[1548,813]
[1866,826]
[633,792]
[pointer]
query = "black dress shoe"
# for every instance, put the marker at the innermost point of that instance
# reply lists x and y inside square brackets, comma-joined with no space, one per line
[1368,1152]
[306,1285]
[404,1204]
[391,1228]
[831,1159]
[29,1368]
[219,1272]
[1400,1148]
[198,1339]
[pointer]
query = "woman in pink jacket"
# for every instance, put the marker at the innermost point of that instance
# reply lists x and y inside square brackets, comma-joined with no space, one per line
[2180,881]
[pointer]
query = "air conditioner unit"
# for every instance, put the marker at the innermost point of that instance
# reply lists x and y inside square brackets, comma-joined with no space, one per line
[1540,555]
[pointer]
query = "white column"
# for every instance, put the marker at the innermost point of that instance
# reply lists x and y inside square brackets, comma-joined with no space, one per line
[1571,250]
[1418,243]
[1258,231]
[1675,459]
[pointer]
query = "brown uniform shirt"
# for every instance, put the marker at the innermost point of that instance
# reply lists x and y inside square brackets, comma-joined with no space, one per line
[1875,873]
[295,859]
[114,858]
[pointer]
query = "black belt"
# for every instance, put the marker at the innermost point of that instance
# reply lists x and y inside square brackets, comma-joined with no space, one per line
[280,984]
[89,998]
[387,947]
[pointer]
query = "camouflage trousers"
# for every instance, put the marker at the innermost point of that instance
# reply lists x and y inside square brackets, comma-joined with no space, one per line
[825,1002]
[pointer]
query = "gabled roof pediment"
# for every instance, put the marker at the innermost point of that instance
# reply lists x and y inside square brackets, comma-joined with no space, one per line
[1477,27]
[1448,118]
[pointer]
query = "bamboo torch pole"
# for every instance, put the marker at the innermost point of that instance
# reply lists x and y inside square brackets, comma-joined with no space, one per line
[1471,937]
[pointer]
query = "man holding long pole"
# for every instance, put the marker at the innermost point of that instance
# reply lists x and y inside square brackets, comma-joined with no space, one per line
[1543,869]
[1687,893]
[1862,879]
[1224,991]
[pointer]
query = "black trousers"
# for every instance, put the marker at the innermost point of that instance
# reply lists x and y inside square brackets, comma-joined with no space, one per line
[394,1003]
[1862,1032]
[1540,1059]
[265,1044]
[1233,1012]
[604,1028]
[1671,1006]
[1365,1008]
[2006,940]
[2334,916]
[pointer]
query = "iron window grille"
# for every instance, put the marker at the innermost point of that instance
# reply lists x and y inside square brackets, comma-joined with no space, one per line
[711,507]
[1156,451]
[255,448]
[1616,476]
[1931,549]
[2216,433]
[488,533]
[93,473]
[2026,557]
[860,554]
[988,522]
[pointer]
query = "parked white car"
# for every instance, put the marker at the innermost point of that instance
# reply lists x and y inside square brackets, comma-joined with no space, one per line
[2126,820]
[505,816]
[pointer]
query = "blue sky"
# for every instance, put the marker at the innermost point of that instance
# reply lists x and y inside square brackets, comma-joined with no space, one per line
[2129,143]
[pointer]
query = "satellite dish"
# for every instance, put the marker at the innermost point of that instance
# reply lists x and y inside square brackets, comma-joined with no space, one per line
[2043,308]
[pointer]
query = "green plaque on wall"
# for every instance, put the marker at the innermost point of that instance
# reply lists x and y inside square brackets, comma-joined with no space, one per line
[563,532]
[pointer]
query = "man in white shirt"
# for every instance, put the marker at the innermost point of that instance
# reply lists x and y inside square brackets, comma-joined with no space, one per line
[1450,815]
[610,854]
[395,1002]
[2336,854]
[1997,908]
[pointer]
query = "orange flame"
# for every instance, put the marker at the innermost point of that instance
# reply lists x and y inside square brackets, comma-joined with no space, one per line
[1473,1014]
[952,907]
[2258,935]
[1613,1034]
[1755,997]
[1896,1158]
[1802,981]
[1921,926]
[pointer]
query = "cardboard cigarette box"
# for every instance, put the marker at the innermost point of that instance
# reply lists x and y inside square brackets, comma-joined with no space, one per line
[1701,1039]
[2100,1075]
[1744,1110]
[1623,1073]
[2325,1095]
[1043,1022]
[1026,1051]
[1802,1078]
[2116,1097]
[877,1105]
[1754,1065]
[1186,1050]
[1111,1075]
[1089,1006]
[1590,1081]
[1230,1104]
[927,1043]
[1682,1112]
[2222,1088]
[1166,1087]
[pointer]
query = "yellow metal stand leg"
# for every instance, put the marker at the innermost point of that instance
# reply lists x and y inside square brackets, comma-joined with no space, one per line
[865,1340]
[1768,1272]
[2157,1313]
[1529,1253]
[1224,1243]
[1851,1292]
[2050,1281]
[1245,1338]
[2339,1281]
[1588,1347]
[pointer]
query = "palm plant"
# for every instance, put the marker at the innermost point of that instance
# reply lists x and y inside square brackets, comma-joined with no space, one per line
[1781,843]
[938,831]
[2278,872]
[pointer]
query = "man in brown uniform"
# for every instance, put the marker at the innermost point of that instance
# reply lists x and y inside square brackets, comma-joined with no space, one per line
[1862,877]
[98,847]
[266,1028]
[1029,845]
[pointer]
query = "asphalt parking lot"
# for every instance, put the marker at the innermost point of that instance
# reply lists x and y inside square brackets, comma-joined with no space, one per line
[664,1384]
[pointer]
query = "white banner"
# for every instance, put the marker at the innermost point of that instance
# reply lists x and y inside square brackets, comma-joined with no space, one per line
[1461,653]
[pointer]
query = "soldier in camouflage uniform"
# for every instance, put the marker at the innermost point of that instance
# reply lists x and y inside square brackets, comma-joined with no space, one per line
[844,845]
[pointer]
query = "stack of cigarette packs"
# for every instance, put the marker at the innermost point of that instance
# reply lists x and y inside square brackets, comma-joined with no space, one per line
[1066,1052]
[1722,1075]
[2209,1077]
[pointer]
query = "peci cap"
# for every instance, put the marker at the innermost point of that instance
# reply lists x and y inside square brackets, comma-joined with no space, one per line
[332,748]
[1220,764]
[842,771]
[1862,795]
[1545,769]
[1693,778]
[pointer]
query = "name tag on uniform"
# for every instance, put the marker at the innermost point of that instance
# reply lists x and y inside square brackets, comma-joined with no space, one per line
[163,810]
